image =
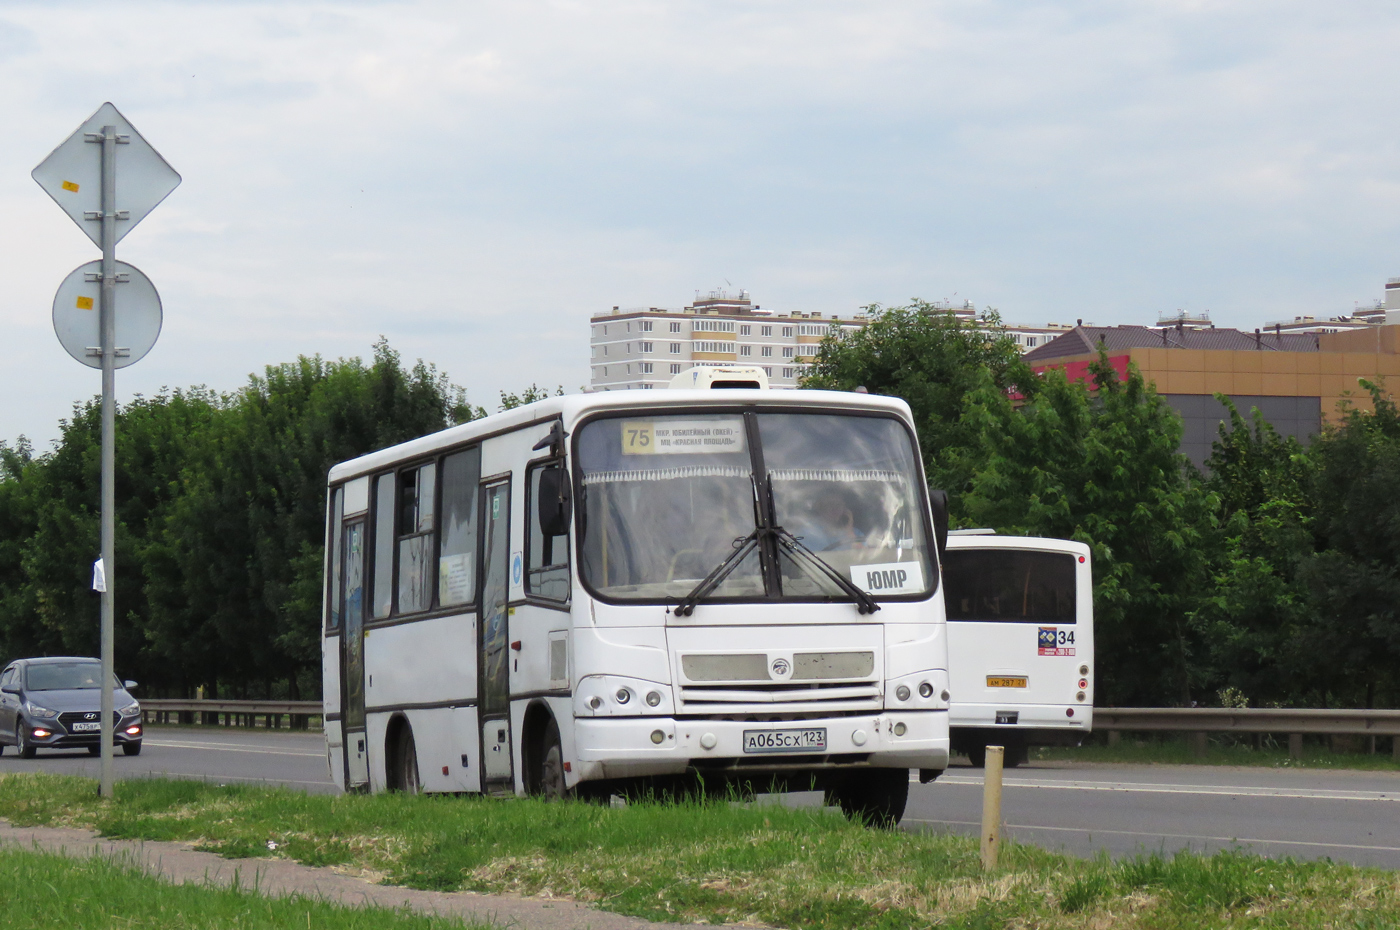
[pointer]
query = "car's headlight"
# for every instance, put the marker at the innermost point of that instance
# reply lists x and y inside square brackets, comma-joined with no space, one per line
[38,711]
[133,708]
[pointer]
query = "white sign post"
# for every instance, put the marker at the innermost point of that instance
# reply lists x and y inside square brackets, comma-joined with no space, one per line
[81,176]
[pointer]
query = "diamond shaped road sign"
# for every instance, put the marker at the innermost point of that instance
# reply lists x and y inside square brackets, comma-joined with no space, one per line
[72,176]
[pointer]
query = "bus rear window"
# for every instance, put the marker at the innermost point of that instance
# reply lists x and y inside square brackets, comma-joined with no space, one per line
[1009,585]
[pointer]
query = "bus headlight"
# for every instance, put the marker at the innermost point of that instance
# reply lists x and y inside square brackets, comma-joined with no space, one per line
[925,690]
[902,692]
[653,698]
[623,695]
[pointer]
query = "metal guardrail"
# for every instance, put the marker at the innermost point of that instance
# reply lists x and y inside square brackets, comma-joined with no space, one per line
[1293,721]
[214,712]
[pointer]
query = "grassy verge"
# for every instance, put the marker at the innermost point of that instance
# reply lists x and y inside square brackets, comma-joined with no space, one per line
[46,891]
[1220,750]
[716,862]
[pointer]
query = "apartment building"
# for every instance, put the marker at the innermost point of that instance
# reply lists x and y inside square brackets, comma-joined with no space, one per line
[642,348]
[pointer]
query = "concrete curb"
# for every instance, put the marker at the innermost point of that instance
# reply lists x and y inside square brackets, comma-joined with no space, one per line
[181,864]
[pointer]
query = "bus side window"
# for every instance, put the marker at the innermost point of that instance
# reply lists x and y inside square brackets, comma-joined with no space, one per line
[383,545]
[461,473]
[416,500]
[547,556]
[333,531]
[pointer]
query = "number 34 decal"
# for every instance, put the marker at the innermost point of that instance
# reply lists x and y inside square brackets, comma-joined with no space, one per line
[1052,641]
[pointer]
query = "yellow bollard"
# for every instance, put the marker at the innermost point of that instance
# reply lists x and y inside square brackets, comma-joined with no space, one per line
[991,807]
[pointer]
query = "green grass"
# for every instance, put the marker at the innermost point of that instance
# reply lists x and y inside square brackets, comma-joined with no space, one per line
[799,868]
[47,891]
[1220,750]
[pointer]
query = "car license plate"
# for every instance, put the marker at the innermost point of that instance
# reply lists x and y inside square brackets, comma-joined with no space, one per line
[1005,681]
[86,727]
[812,739]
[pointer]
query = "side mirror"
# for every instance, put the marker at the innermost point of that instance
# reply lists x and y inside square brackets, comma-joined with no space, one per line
[129,685]
[938,500]
[10,689]
[553,502]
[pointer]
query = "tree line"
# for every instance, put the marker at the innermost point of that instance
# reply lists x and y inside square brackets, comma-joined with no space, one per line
[1270,577]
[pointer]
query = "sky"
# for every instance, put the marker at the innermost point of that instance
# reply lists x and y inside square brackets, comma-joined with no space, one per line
[473,180]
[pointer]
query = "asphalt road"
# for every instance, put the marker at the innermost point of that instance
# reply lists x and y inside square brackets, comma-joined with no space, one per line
[1081,809]
[222,755]
[1131,809]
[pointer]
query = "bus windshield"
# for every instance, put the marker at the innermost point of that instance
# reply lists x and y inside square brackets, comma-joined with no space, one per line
[664,500]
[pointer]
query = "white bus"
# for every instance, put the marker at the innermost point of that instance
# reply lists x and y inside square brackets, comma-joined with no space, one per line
[1020,642]
[603,591]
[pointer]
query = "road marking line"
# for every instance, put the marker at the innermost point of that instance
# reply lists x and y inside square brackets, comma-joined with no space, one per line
[230,747]
[1169,836]
[1315,794]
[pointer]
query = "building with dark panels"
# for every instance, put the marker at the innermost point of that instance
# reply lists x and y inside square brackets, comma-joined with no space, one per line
[1296,380]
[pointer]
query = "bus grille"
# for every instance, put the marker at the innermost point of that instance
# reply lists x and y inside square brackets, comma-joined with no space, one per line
[777,698]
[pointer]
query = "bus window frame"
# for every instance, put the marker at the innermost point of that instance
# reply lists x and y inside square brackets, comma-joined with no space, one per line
[531,467]
[335,520]
[405,469]
[921,489]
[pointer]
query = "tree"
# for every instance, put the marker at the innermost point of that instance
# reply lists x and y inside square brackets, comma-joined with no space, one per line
[1354,577]
[1102,466]
[935,362]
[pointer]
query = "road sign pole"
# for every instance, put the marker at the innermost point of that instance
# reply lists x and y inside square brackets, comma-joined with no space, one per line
[108,324]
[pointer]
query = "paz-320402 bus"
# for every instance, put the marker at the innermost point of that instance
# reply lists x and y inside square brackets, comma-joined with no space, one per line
[603,590]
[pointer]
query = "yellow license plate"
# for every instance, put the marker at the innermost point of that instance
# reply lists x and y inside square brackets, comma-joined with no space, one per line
[1003,681]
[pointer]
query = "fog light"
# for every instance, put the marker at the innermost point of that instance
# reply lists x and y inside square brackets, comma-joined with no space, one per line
[40,733]
[1083,669]
[925,690]
[708,741]
[858,737]
[900,729]
[595,702]
[1080,696]
[943,697]
[623,695]
[902,692]
[657,736]
[133,731]
[653,698]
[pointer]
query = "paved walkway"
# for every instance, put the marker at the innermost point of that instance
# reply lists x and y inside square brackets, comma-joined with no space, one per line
[179,863]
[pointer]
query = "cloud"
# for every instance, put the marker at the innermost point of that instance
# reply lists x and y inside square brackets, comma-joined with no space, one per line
[473,180]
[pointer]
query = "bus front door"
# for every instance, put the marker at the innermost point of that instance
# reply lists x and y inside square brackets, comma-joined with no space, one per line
[352,656]
[494,696]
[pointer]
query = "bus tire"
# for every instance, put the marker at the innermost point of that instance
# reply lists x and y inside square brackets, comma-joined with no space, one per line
[550,777]
[977,755]
[874,797]
[406,762]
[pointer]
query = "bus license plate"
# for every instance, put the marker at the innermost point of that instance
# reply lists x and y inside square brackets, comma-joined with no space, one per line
[1005,681]
[86,727]
[812,739]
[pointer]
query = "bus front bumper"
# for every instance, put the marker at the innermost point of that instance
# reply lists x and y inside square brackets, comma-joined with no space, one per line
[639,746]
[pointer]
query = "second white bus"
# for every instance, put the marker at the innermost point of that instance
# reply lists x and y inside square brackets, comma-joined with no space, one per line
[1020,642]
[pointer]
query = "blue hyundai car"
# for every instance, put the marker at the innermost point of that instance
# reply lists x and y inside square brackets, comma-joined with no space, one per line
[56,703]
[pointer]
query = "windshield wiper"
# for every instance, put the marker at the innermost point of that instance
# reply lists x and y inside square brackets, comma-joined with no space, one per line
[865,603]
[742,547]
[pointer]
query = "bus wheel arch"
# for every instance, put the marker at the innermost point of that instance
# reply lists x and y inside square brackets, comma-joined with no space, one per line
[401,756]
[541,750]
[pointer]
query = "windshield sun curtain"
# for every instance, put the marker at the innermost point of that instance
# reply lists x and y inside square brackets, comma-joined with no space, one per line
[666,500]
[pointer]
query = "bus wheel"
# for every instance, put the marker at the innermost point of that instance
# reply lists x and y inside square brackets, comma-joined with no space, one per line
[977,755]
[406,761]
[552,786]
[875,797]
